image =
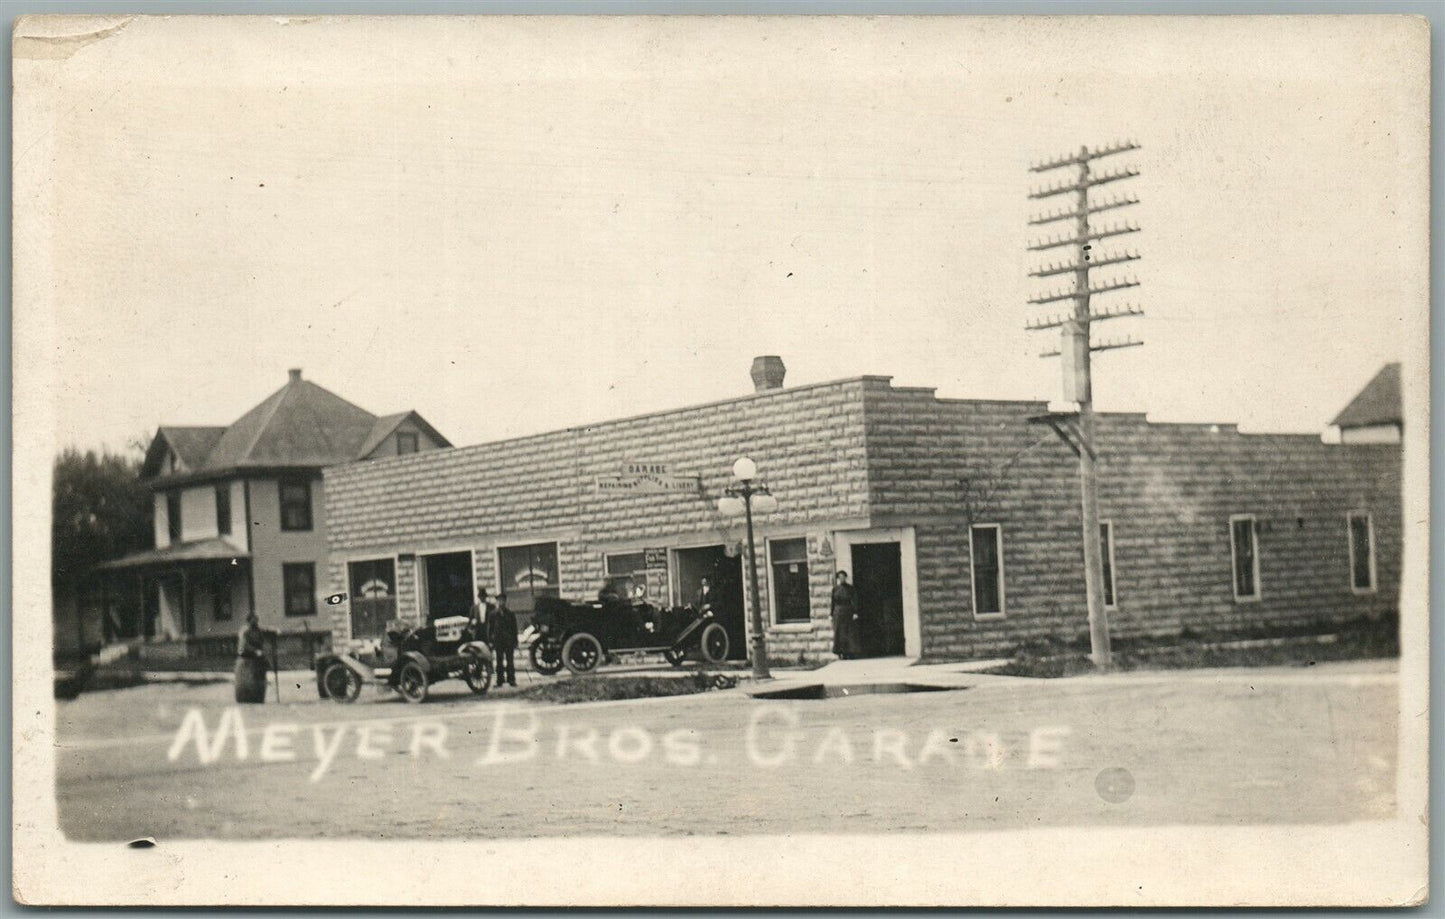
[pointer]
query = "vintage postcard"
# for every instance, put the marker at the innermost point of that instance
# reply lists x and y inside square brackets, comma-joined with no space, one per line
[721,461]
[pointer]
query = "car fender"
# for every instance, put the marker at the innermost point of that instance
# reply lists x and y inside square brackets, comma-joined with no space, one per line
[477,648]
[691,628]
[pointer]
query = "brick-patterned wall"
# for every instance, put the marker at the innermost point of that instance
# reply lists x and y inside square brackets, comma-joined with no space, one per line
[860,453]
[807,441]
[1169,491]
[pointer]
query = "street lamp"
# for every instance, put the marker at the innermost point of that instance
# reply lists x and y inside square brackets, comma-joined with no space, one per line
[743,498]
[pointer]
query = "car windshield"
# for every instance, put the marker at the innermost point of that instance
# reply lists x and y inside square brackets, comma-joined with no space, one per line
[623,588]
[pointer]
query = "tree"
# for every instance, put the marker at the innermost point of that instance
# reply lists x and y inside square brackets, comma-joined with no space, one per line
[100,510]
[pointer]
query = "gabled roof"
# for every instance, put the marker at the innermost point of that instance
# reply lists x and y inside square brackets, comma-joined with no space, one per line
[191,445]
[300,425]
[1377,403]
[384,425]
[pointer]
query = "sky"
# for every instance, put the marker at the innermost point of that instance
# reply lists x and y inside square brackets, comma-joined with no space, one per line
[516,225]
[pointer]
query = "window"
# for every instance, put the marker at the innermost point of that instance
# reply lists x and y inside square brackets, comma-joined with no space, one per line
[295,504]
[1245,552]
[986,566]
[1362,553]
[299,580]
[625,563]
[173,515]
[528,572]
[373,596]
[1106,549]
[406,442]
[223,510]
[627,571]
[788,562]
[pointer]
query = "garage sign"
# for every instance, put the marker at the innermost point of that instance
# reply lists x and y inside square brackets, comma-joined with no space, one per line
[649,483]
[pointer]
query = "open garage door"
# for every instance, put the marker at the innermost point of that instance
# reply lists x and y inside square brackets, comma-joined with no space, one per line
[726,575]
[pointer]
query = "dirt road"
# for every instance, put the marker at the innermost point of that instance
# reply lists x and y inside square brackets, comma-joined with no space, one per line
[1215,747]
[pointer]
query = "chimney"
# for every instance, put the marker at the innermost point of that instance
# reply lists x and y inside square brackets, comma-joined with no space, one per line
[768,372]
[295,373]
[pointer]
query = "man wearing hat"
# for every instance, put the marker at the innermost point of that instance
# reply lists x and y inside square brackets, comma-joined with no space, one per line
[502,636]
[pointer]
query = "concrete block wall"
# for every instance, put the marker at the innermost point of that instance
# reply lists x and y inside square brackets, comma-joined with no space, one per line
[860,453]
[808,442]
[1169,491]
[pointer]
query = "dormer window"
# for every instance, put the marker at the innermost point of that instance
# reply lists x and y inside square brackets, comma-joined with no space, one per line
[406,442]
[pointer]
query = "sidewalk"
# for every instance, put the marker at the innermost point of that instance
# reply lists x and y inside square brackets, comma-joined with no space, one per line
[879,674]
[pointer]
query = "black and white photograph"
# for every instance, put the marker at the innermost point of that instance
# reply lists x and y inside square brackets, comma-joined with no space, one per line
[721,461]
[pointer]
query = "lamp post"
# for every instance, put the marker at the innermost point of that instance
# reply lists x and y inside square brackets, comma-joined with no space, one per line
[743,498]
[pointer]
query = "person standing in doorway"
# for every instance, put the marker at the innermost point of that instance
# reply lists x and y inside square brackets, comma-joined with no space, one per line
[502,636]
[845,618]
[705,597]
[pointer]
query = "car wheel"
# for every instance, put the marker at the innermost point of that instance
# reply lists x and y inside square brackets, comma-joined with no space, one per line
[674,657]
[412,682]
[582,653]
[341,683]
[478,673]
[546,657]
[714,643]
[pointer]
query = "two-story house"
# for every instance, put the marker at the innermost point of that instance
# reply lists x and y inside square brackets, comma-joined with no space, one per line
[239,515]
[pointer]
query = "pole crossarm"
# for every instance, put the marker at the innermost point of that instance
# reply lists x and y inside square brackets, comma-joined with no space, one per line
[1053,322]
[1053,268]
[1086,155]
[1081,294]
[1115,344]
[1052,243]
[1084,184]
[1052,217]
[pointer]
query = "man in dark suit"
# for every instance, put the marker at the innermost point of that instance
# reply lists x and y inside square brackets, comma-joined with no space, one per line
[502,636]
[706,597]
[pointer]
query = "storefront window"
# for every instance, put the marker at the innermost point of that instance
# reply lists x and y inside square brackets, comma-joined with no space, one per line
[373,596]
[528,572]
[789,559]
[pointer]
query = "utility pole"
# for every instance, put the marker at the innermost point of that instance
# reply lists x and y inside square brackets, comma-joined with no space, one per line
[1076,343]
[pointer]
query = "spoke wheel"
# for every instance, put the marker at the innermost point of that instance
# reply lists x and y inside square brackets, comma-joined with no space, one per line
[412,683]
[341,683]
[582,653]
[478,674]
[714,643]
[546,657]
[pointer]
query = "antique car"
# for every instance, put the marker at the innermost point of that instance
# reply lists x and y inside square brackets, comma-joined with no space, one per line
[582,635]
[449,648]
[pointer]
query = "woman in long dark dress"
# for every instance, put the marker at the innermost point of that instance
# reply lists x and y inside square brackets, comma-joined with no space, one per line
[845,618]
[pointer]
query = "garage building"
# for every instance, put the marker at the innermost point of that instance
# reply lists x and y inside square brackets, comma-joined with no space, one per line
[958,520]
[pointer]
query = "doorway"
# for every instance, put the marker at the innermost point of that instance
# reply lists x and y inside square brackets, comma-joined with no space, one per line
[167,606]
[878,580]
[726,575]
[373,596]
[447,584]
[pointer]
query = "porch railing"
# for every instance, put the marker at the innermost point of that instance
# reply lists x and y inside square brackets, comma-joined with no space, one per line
[294,651]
